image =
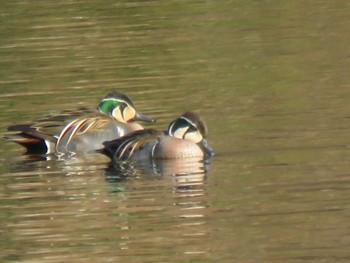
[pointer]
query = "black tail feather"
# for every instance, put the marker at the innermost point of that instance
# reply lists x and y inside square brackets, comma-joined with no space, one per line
[32,144]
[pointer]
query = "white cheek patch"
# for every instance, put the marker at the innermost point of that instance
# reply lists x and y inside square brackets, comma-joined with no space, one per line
[195,137]
[179,133]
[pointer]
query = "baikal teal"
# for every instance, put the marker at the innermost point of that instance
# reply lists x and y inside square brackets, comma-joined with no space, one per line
[82,130]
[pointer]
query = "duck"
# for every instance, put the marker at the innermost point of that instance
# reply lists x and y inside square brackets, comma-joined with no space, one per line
[81,130]
[185,138]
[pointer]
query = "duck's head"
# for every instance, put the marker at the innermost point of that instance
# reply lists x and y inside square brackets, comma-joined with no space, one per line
[119,106]
[190,126]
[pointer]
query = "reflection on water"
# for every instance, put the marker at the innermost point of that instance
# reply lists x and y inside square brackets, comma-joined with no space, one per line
[62,210]
[184,181]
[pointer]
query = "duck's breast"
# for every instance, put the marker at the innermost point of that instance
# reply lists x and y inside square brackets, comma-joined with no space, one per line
[173,148]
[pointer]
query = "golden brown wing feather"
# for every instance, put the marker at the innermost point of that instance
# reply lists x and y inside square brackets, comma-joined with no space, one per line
[123,148]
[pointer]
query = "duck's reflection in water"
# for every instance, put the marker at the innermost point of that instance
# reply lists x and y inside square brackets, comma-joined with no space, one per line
[185,172]
[177,191]
[143,207]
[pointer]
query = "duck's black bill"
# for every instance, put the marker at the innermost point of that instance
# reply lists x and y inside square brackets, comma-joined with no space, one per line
[140,117]
[207,149]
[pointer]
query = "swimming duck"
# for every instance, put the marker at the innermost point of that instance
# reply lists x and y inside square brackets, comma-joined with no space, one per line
[184,138]
[81,130]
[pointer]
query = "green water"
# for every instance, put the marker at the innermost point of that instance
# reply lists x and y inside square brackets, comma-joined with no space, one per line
[269,77]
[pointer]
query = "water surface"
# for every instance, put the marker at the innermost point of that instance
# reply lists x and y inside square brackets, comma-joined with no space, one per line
[271,80]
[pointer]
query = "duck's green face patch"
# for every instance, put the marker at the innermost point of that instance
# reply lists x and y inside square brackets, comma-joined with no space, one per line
[178,128]
[183,128]
[117,109]
[107,106]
